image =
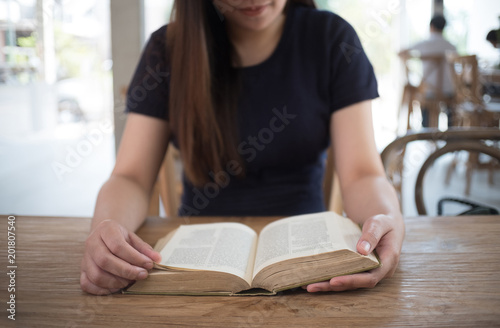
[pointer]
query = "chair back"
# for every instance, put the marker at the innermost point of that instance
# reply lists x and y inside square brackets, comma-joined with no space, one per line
[331,186]
[425,77]
[465,74]
[427,73]
[479,140]
[168,186]
[471,110]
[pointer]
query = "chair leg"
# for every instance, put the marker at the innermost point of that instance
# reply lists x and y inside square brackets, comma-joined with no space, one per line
[433,110]
[406,99]
[468,178]
[450,170]
[492,165]
[472,163]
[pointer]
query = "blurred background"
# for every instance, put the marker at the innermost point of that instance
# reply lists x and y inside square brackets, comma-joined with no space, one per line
[64,66]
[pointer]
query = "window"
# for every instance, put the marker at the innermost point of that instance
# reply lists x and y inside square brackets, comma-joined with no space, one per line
[385,27]
[56,131]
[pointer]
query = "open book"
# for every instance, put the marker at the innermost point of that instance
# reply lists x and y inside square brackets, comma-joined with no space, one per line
[230,258]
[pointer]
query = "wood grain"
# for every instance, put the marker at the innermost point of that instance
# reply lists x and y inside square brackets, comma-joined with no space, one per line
[449,276]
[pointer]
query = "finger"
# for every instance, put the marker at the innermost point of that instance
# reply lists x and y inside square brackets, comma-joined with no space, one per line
[102,278]
[109,262]
[144,247]
[373,230]
[389,257]
[318,287]
[89,287]
[360,280]
[121,248]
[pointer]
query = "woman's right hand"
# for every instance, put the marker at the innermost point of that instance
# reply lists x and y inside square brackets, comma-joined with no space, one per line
[113,258]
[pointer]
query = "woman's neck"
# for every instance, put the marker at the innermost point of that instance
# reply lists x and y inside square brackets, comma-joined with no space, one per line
[254,47]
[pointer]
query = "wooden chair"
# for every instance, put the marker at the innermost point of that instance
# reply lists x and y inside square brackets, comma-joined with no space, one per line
[465,75]
[418,88]
[470,140]
[331,186]
[471,110]
[168,187]
[410,93]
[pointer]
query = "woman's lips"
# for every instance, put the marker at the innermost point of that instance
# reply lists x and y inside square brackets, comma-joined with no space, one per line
[253,11]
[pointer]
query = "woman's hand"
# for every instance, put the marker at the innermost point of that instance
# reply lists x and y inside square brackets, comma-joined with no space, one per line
[384,234]
[113,258]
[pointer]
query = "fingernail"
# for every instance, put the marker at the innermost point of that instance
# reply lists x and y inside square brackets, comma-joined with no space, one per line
[366,246]
[142,275]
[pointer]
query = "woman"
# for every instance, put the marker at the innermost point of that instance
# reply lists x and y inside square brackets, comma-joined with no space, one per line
[252,94]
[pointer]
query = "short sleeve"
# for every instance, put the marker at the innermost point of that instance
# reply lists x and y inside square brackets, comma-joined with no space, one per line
[148,92]
[352,78]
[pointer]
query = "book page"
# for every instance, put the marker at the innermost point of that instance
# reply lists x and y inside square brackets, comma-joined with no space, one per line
[223,247]
[303,235]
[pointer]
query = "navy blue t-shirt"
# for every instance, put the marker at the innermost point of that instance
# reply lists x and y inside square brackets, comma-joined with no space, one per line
[283,114]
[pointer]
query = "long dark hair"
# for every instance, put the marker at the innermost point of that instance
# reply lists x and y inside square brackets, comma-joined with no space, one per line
[204,88]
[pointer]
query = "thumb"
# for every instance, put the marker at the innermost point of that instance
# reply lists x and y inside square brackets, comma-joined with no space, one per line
[144,247]
[372,232]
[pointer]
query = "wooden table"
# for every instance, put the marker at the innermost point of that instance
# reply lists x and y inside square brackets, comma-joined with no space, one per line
[449,275]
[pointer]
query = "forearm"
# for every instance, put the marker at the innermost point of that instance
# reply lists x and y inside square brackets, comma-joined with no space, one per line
[122,200]
[369,196]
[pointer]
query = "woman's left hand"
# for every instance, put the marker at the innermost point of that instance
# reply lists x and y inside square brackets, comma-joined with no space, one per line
[383,233]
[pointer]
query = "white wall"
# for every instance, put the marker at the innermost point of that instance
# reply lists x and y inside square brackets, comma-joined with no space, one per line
[483,18]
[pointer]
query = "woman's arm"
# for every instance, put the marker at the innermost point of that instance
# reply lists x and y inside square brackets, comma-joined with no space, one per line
[114,256]
[368,197]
